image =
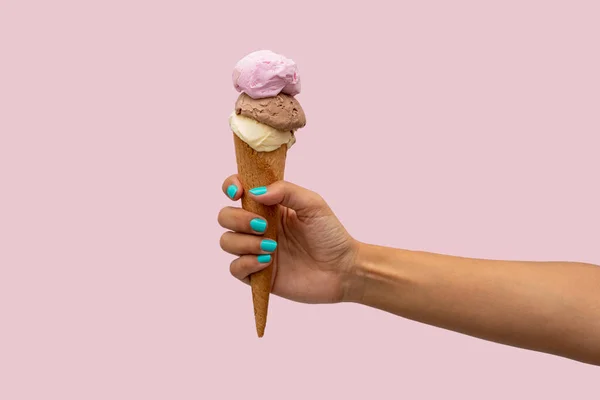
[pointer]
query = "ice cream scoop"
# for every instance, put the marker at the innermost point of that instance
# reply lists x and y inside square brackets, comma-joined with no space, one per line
[282,112]
[259,136]
[264,73]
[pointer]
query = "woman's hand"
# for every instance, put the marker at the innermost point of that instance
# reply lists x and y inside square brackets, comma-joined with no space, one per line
[315,255]
[552,307]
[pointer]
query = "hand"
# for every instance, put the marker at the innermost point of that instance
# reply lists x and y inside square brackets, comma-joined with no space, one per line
[315,255]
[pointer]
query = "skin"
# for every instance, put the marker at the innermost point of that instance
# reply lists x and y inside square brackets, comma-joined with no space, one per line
[551,307]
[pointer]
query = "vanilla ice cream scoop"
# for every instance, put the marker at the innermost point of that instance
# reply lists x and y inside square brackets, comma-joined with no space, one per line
[259,136]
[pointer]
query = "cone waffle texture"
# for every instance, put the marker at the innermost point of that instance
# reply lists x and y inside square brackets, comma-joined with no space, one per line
[257,168]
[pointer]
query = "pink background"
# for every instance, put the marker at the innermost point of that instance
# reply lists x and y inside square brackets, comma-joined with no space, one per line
[467,128]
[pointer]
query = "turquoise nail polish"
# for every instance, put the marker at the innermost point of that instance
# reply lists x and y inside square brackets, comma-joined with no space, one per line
[257,191]
[264,258]
[268,245]
[258,225]
[231,191]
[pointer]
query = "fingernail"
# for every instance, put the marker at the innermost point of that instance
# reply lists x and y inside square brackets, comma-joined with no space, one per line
[257,191]
[264,258]
[231,191]
[268,245]
[258,225]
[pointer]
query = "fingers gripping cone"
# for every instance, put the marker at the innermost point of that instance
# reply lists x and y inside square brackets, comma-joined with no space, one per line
[260,169]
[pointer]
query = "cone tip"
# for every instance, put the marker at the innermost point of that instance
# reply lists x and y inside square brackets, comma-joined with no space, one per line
[260,331]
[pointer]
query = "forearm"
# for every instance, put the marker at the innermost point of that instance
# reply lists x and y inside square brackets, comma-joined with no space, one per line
[552,307]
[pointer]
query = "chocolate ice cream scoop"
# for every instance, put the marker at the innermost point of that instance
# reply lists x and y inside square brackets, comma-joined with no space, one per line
[282,112]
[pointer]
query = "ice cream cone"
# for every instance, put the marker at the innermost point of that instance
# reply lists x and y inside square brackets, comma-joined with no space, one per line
[264,122]
[258,168]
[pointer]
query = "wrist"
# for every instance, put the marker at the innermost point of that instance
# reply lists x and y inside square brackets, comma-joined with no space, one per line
[358,274]
[377,272]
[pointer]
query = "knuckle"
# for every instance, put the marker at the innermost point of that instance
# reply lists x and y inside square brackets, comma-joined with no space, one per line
[318,199]
[233,268]
[222,216]
[286,198]
[223,240]
[315,202]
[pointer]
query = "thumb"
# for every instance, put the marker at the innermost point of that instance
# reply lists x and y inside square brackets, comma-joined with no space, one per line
[289,195]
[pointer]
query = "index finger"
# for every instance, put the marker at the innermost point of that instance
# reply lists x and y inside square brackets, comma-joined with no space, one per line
[232,187]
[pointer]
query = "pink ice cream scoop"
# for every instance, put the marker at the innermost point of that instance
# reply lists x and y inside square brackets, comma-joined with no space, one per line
[264,73]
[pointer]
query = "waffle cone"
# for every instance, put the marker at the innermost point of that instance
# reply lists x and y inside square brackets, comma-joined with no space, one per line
[257,168]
